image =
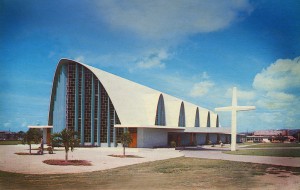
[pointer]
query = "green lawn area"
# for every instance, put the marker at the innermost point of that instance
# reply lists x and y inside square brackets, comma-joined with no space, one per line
[267,152]
[10,142]
[270,145]
[176,173]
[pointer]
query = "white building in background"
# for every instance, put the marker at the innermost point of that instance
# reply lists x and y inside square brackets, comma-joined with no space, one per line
[100,106]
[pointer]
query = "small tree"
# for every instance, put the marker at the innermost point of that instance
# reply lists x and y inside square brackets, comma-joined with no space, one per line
[32,135]
[68,138]
[125,139]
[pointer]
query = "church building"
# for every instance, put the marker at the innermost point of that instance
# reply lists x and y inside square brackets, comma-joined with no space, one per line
[100,106]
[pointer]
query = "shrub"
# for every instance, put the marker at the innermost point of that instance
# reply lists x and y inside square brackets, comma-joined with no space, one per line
[173,144]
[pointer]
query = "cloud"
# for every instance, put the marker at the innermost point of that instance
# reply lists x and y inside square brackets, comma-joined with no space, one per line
[153,60]
[80,59]
[278,101]
[241,94]
[201,88]
[282,75]
[162,19]
[281,96]
[7,124]
[24,124]
[147,59]
[205,75]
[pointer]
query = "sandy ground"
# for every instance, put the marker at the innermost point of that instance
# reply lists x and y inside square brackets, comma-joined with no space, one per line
[282,180]
[33,164]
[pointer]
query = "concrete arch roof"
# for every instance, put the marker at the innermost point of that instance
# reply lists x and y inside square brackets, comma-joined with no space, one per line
[190,114]
[203,117]
[213,119]
[136,104]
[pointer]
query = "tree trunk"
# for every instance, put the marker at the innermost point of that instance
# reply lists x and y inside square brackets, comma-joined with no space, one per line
[29,148]
[66,158]
[124,151]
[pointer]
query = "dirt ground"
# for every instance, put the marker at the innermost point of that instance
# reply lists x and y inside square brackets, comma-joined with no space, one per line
[278,179]
[176,173]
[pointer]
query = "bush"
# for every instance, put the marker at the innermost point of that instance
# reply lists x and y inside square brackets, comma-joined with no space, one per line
[173,144]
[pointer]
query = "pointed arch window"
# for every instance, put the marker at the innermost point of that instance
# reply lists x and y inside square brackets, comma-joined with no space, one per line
[181,121]
[197,120]
[217,122]
[160,118]
[208,120]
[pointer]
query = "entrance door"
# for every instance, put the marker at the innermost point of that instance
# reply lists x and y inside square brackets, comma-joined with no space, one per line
[133,133]
[193,141]
[48,136]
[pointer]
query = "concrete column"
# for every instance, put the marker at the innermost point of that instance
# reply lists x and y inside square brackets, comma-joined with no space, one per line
[108,123]
[99,116]
[93,112]
[82,107]
[233,130]
[44,135]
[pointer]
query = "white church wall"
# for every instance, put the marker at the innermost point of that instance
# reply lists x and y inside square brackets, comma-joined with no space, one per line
[149,138]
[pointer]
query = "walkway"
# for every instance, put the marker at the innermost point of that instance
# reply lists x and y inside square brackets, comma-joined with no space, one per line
[33,164]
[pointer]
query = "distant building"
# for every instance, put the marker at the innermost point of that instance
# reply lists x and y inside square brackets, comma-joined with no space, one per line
[270,136]
[270,132]
[100,106]
[7,135]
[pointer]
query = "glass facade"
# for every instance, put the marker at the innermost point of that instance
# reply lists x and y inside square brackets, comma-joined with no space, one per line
[208,120]
[160,118]
[181,121]
[197,120]
[82,104]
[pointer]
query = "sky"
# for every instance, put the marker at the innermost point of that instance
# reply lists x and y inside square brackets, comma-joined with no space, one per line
[194,50]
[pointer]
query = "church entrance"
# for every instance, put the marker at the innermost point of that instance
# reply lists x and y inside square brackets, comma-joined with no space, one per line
[133,133]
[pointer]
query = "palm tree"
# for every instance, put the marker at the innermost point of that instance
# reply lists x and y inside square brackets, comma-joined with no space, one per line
[68,138]
[32,135]
[125,139]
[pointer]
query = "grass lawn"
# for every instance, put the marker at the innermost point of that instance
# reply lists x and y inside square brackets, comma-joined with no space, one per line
[268,152]
[176,173]
[10,142]
[270,145]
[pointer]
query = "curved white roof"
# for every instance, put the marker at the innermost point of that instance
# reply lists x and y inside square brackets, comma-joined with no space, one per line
[136,104]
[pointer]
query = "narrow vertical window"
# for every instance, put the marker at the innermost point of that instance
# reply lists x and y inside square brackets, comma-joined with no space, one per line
[208,120]
[197,120]
[181,121]
[217,122]
[160,118]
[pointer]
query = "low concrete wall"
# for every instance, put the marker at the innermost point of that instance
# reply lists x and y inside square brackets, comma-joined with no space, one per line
[149,138]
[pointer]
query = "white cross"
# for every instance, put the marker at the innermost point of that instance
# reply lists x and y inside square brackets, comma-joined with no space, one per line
[234,108]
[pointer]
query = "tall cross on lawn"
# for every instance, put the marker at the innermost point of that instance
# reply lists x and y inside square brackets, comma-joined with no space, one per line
[234,108]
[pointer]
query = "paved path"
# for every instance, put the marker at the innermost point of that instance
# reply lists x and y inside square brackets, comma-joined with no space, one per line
[33,164]
[217,154]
